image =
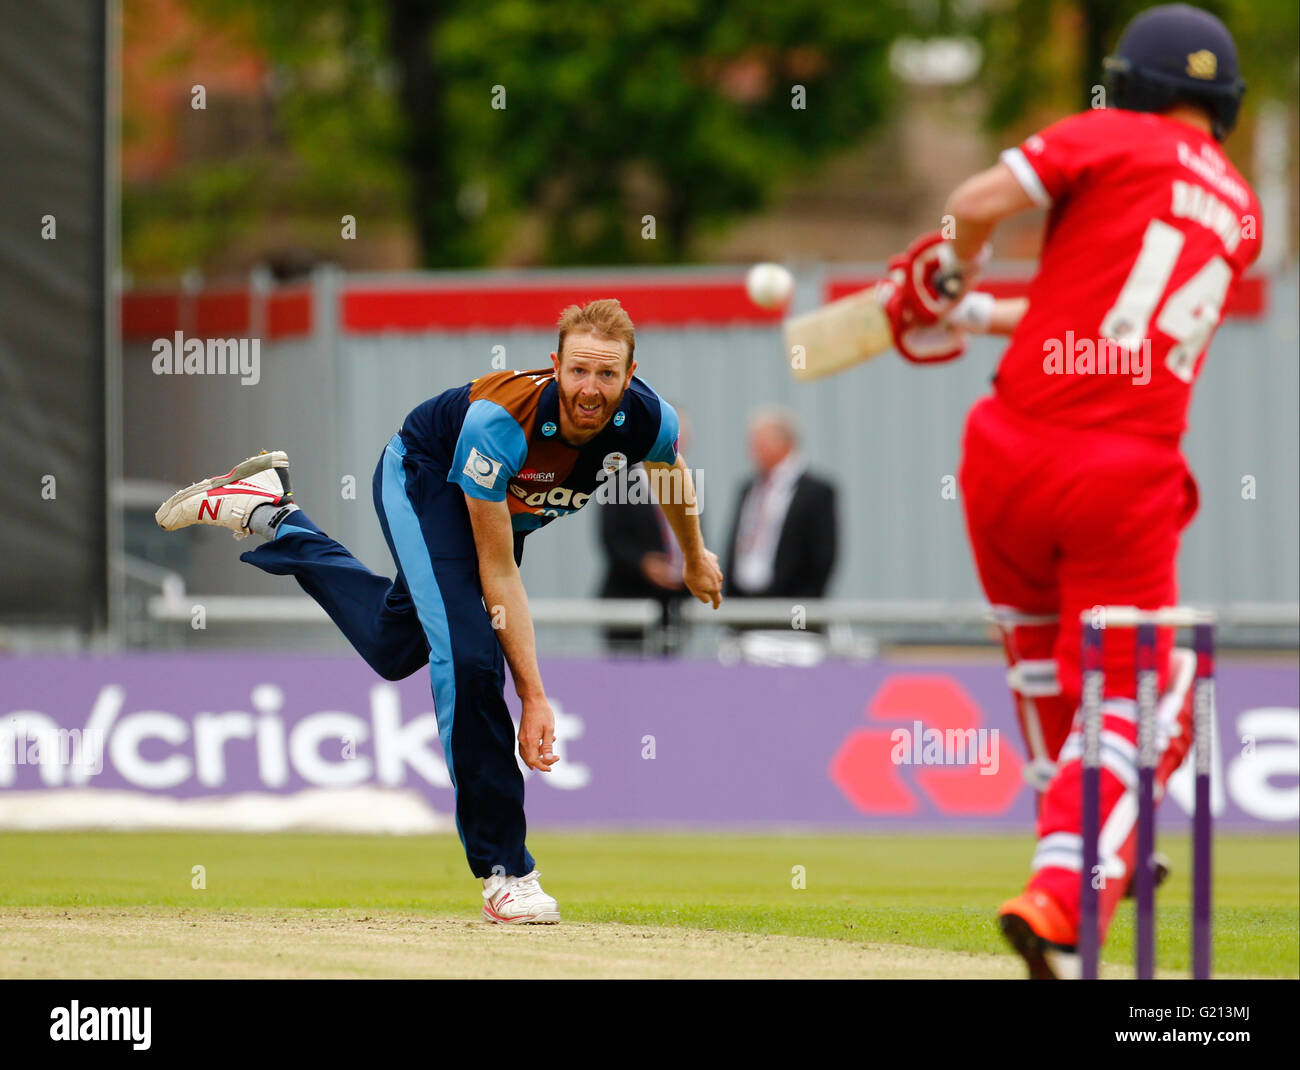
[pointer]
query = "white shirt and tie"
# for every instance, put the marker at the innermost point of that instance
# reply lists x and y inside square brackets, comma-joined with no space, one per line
[762,518]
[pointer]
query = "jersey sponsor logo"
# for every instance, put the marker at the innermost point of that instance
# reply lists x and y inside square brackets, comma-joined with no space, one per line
[548,429]
[1202,64]
[534,474]
[482,470]
[619,418]
[546,501]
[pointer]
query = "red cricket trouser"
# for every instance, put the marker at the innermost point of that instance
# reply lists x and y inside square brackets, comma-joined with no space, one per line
[1061,520]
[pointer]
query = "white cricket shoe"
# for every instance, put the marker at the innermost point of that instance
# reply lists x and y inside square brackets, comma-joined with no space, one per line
[518,901]
[1065,965]
[228,501]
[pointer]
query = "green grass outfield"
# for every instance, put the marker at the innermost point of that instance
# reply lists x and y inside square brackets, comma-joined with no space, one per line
[932,892]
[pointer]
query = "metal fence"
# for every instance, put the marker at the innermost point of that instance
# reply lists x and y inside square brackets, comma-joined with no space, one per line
[887,434]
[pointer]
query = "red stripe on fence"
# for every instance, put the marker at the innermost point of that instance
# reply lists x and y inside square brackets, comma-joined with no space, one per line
[289,313]
[705,303]
[150,315]
[1250,298]
[222,314]
[458,307]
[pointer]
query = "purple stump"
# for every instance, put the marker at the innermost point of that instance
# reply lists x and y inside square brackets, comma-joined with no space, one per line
[1202,860]
[1144,875]
[1093,681]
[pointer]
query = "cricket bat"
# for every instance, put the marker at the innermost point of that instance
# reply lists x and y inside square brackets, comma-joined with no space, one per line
[837,336]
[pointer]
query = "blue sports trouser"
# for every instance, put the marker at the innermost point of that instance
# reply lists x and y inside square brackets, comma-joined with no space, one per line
[432,614]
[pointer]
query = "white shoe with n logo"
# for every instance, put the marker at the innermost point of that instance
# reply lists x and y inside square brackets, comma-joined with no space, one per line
[518,901]
[228,501]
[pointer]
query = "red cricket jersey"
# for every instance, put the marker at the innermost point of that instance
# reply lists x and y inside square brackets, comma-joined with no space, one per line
[1150,227]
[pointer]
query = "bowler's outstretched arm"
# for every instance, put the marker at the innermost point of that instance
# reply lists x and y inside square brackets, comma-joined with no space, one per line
[674,490]
[507,602]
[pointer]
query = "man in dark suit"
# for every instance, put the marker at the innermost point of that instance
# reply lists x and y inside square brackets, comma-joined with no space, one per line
[783,532]
[642,561]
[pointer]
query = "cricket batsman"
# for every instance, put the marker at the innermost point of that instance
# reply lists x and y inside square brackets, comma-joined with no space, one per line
[1075,488]
[470,474]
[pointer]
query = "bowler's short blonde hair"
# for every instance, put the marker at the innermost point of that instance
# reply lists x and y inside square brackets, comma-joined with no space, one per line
[605,318]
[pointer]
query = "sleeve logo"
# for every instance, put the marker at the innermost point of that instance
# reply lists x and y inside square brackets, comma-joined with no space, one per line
[482,470]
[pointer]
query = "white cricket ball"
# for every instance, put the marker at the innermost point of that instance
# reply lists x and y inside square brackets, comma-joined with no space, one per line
[769,285]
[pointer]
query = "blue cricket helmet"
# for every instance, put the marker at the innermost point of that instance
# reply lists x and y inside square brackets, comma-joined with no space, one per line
[1177,53]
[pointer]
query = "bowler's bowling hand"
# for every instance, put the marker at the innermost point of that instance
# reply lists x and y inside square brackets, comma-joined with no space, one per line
[537,736]
[703,578]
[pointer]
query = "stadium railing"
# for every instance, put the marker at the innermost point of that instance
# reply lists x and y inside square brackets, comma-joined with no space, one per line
[852,627]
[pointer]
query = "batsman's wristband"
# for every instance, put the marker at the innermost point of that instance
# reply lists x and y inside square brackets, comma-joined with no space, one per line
[974,312]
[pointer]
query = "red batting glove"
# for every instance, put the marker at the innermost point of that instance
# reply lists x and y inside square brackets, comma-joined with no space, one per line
[924,285]
[915,274]
[932,343]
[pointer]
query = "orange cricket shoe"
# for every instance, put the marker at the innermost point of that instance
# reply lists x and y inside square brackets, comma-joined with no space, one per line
[1038,928]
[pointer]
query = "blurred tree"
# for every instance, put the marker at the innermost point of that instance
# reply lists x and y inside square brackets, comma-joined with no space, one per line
[574,118]
[690,111]
[1031,65]
[328,143]
[447,234]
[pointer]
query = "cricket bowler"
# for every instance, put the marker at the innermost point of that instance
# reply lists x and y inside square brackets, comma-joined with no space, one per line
[471,473]
[1074,485]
